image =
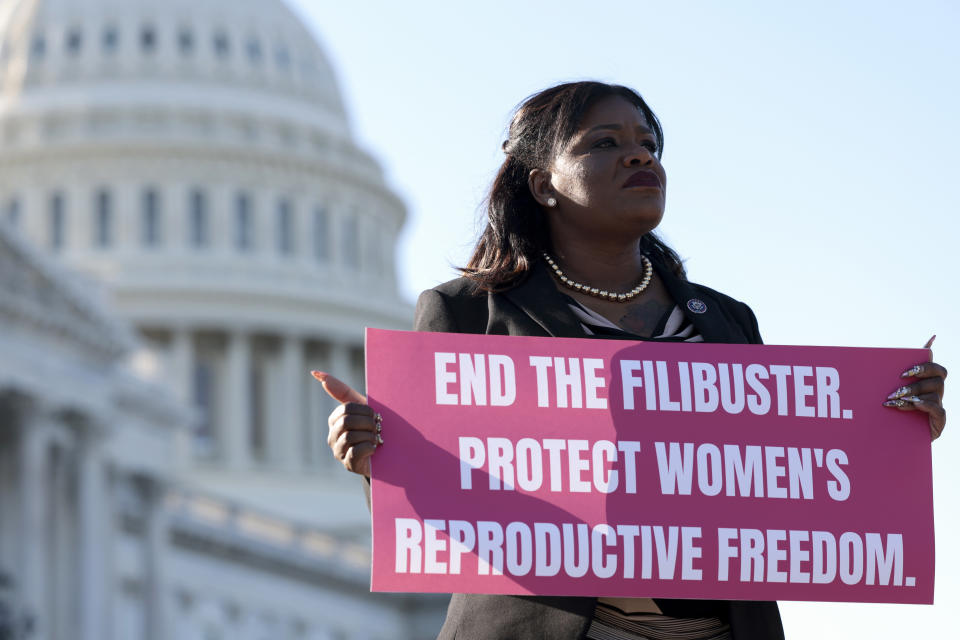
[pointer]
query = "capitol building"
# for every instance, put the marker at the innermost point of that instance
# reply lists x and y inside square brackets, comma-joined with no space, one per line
[187,228]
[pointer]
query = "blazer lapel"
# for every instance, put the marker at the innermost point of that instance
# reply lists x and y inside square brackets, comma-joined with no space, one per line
[707,317]
[538,297]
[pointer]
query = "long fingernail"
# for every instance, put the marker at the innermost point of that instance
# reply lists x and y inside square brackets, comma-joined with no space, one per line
[911,372]
[319,375]
[899,393]
[930,341]
[894,403]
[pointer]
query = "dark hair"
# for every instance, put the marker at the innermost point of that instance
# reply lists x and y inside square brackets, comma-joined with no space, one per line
[516,229]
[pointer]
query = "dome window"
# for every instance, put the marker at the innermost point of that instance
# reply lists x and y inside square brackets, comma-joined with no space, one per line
[204,393]
[373,252]
[13,212]
[185,42]
[243,220]
[199,224]
[321,234]
[283,58]
[57,222]
[148,39]
[221,45]
[284,227]
[254,53]
[351,243]
[110,39]
[74,41]
[150,224]
[103,219]
[38,48]
[258,412]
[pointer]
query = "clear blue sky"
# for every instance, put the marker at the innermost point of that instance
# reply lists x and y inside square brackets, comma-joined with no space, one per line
[811,148]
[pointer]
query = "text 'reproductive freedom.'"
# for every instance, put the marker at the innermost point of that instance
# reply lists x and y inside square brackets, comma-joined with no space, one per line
[703,541]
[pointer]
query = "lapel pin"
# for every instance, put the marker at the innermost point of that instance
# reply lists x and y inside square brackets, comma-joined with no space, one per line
[696,305]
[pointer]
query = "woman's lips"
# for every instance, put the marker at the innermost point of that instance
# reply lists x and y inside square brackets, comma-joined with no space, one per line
[643,179]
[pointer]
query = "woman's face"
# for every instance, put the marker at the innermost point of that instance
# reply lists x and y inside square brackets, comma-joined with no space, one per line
[607,179]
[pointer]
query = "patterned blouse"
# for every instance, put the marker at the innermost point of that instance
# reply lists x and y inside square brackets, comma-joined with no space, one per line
[640,618]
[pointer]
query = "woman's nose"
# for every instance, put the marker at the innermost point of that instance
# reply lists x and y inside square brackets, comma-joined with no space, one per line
[638,155]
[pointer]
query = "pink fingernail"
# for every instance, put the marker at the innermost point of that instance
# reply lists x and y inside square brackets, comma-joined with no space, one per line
[319,375]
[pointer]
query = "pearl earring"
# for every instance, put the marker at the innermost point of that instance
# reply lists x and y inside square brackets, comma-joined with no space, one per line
[551,202]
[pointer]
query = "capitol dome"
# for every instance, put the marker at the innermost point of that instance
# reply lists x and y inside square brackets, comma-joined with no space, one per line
[195,158]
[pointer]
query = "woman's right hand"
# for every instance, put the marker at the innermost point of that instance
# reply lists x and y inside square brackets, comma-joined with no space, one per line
[354,427]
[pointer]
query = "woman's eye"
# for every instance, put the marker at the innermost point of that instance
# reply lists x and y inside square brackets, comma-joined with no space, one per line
[650,145]
[605,142]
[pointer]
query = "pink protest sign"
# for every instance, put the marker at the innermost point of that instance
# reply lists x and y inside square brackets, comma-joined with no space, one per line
[519,465]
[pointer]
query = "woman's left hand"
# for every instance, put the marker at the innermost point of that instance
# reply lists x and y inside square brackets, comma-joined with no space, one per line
[925,393]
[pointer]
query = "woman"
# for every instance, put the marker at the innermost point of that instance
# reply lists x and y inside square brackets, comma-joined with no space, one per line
[569,251]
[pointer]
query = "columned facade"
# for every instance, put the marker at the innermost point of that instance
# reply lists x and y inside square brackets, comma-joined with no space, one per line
[220,371]
[60,551]
[164,471]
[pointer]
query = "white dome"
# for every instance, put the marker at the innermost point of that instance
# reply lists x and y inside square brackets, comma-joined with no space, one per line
[139,49]
[228,99]
[194,156]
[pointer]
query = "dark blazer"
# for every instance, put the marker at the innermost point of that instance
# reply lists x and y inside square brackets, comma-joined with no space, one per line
[536,308]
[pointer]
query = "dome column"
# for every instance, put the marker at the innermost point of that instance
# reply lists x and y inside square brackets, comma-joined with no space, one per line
[176,212]
[182,364]
[294,374]
[78,228]
[236,430]
[35,493]
[122,202]
[182,359]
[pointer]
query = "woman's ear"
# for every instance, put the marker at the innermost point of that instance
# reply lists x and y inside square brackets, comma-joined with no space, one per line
[539,182]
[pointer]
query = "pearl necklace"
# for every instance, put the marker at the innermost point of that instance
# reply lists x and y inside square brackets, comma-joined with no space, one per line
[606,295]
